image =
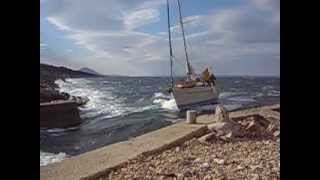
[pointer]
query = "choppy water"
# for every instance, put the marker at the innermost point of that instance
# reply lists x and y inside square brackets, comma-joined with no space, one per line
[124,107]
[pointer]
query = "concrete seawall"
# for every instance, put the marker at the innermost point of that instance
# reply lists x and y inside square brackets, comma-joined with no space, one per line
[60,114]
[99,162]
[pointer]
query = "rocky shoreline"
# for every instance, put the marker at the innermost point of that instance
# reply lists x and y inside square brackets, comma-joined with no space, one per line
[59,109]
[49,74]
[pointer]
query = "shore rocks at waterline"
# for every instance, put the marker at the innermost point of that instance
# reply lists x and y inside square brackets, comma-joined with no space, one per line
[48,94]
[59,109]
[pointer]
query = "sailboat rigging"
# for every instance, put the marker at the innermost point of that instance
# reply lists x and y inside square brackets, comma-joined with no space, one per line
[195,90]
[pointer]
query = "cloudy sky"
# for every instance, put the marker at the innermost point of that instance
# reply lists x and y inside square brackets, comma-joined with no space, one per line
[129,37]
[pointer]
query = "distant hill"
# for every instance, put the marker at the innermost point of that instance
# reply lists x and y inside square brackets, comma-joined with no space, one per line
[49,73]
[89,71]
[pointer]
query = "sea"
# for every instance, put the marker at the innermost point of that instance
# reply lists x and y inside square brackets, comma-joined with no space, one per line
[121,108]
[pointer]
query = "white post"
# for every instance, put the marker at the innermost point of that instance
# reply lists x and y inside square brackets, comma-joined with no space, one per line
[191,116]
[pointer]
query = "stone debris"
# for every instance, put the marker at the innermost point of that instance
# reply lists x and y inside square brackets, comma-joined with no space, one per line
[221,114]
[219,161]
[276,133]
[242,148]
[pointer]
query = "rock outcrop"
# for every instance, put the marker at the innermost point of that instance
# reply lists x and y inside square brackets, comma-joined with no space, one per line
[59,109]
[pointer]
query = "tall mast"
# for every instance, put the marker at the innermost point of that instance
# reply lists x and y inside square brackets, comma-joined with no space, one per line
[170,46]
[189,70]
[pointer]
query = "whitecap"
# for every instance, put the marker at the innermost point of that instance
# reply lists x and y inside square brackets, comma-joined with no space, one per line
[267,87]
[273,93]
[227,94]
[169,104]
[242,99]
[259,95]
[48,158]
[161,95]
[231,107]
[100,100]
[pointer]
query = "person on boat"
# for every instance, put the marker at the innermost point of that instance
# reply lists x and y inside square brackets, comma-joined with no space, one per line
[208,77]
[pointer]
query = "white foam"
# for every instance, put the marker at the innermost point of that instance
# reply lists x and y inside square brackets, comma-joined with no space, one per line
[161,95]
[274,93]
[100,100]
[48,158]
[168,104]
[227,94]
[259,95]
[267,87]
[231,107]
[242,99]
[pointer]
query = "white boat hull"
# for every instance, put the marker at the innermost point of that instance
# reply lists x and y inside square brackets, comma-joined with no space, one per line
[196,96]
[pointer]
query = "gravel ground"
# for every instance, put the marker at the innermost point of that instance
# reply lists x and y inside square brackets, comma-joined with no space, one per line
[254,155]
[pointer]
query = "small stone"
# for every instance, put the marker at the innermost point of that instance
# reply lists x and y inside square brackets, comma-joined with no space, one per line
[207,177]
[218,161]
[197,160]
[219,172]
[254,177]
[180,176]
[205,165]
[254,167]
[177,149]
[239,167]
[229,135]
[207,137]
[276,133]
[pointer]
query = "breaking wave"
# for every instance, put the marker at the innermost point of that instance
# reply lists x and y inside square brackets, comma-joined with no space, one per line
[165,101]
[101,101]
[48,158]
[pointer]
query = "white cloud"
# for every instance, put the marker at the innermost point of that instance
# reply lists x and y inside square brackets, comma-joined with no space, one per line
[43,44]
[224,38]
[142,17]
[58,22]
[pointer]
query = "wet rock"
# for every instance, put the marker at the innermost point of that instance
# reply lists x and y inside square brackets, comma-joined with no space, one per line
[48,94]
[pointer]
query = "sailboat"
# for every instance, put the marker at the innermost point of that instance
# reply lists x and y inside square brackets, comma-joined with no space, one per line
[194,90]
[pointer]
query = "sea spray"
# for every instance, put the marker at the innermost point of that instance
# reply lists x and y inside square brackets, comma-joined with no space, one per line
[48,158]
